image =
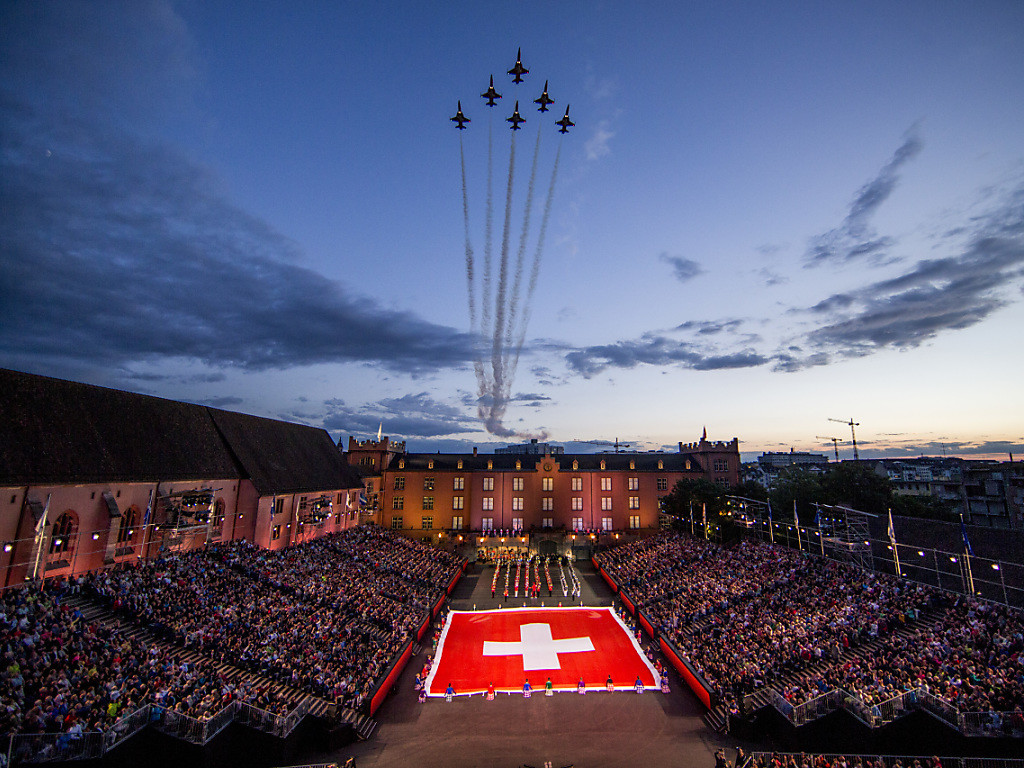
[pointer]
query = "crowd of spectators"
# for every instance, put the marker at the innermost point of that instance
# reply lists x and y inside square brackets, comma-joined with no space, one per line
[327,617]
[806,760]
[63,674]
[757,615]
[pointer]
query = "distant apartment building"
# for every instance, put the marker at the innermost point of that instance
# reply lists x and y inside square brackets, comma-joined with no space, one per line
[532,448]
[770,464]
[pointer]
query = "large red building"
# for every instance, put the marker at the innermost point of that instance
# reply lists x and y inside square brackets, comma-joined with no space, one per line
[427,494]
[91,477]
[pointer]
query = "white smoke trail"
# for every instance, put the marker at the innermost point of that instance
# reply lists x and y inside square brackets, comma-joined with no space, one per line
[478,366]
[513,314]
[497,348]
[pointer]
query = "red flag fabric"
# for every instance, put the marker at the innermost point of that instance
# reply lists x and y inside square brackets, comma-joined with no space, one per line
[507,647]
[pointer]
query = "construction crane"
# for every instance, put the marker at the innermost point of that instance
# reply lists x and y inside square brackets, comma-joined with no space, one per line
[851,424]
[835,443]
[616,444]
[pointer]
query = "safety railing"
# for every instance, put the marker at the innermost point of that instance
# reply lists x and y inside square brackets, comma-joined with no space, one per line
[939,707]
[195,730]
[992,723]
[126,727]
[764,759]
[270,722]
[814,708]
[26,748]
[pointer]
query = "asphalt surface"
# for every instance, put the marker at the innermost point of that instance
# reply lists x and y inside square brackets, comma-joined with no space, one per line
[598,730]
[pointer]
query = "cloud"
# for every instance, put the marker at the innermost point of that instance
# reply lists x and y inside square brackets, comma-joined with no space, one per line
[597,145]
[655,350]
[933,296]
[684,269]
[120,251]
[854,238]
[412,415]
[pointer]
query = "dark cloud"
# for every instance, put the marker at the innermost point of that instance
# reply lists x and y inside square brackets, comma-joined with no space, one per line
[413,415]
[933,296]
[221,402]
[854,238]
[709,327]
[118,251]
[683,268]
[656,350]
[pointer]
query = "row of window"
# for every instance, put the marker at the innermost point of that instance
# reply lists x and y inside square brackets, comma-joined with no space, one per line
[518,503]
[546,483]
[487,523]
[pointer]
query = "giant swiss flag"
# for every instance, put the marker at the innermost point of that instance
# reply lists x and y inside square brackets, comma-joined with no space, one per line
[506,647]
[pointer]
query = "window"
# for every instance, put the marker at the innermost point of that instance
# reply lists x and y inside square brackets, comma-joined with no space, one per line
[606,483]
[548,522]
[488,503]
[517,523]
[722,481]
[428,483]
[517,503]
[488,483]
[634,502]
[430,464]
[428,502]
[661,464]
[662,483]
[487,524]
[396,523]
[721,465]
[517,483]
[606,523]
[577,483]
[427,522]
[458,502]
[459,484]
[577,503]
[634,521]
[275,534]
[127,529]
[634,483]
[547,484]
[278,506]
[218,513]
[459,466]
[606,503]
[64,532]
[457,523]
[398,502]
[577,523]
[399,483]
[547,504]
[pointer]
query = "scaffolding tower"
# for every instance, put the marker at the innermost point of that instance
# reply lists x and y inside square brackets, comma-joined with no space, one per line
[845,535]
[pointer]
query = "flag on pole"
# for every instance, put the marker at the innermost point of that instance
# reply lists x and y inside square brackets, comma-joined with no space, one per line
[892,531]
[963,533]
[149,509]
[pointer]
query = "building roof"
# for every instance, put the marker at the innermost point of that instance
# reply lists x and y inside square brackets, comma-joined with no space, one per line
[282,457]
[587,462]
[62,432]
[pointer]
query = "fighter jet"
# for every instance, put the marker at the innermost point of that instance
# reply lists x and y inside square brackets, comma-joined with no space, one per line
[460,118]
[490,94]
[518,70]
[544,100]
[565,122]
[515,119]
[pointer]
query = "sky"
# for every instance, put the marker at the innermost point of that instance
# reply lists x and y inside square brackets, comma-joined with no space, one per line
[766,216]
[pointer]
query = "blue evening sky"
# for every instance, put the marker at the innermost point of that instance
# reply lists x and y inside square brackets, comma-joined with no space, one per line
[767,215]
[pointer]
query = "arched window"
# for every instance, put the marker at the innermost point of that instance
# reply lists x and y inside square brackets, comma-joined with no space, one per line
[127,530]
[64,534]
[218,512]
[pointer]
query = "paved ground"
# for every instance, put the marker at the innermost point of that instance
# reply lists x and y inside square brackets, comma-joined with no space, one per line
[598,730]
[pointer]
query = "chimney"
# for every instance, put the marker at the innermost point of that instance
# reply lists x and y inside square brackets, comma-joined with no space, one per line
[680,446]
[474,450]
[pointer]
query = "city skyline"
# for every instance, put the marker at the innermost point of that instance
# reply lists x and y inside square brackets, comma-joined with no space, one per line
[765,217]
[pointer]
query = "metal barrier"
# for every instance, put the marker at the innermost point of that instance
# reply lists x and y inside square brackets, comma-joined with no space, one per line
[892,709]
[939,707]
[762,759]
[126,727]
[992,723]
[269,722]
[817,707]
[26,748]
[194,730]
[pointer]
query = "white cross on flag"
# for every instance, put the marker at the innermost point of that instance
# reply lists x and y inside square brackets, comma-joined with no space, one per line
[506,647]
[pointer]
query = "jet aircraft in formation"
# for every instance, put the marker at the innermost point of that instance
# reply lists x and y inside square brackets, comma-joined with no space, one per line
[515,119]
[518,70]
[460,118]
[565,122]
[544,100]
[490,94]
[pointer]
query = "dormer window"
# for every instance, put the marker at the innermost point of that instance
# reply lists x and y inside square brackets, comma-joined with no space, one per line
[430,464]
[401,463]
